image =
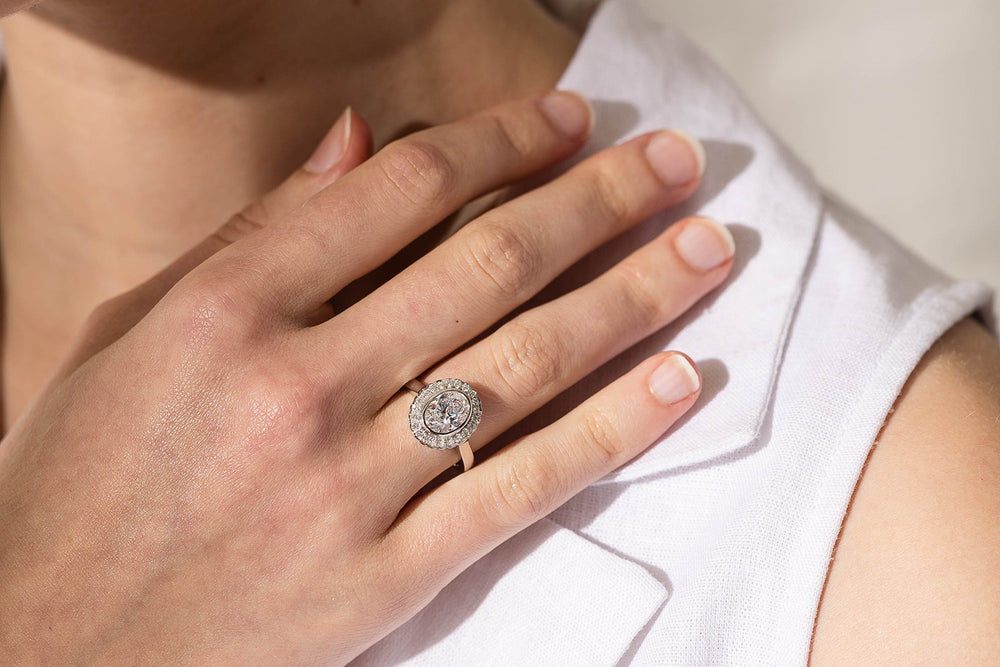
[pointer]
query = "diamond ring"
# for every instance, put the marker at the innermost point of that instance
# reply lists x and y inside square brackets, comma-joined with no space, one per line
[445,414]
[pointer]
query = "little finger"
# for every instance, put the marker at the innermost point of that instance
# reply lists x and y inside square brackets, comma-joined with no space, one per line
[446,530]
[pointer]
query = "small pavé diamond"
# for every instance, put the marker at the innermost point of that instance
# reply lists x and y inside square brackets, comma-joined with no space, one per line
[447,412]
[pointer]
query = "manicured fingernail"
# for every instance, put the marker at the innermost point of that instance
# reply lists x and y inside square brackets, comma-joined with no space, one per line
[331,149]
[704,244]
[677,157]
[674,380]
[569,112]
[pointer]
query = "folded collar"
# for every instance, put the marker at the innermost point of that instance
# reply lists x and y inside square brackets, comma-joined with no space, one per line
[547,596]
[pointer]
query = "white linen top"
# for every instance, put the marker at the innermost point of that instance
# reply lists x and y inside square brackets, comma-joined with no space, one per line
[713,546]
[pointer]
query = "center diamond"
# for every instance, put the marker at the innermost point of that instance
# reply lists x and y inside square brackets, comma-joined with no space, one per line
[447,412]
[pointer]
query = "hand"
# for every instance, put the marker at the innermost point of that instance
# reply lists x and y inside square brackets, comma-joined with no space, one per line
[230,477]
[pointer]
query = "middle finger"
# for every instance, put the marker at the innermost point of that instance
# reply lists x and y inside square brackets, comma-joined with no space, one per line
[507,255]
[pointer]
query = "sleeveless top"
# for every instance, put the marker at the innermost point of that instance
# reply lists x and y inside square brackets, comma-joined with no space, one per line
[712,547]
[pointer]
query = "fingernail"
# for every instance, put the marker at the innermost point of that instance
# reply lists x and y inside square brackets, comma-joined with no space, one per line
[676,157]
[704,244]
[674,380]
[569,112]
[331,149]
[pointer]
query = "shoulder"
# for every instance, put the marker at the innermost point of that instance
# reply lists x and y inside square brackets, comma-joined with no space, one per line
[913,576]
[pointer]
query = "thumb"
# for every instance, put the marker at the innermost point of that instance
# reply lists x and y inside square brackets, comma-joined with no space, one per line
[345,146]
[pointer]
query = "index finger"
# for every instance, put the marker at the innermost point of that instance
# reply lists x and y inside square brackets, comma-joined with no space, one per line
[365,218]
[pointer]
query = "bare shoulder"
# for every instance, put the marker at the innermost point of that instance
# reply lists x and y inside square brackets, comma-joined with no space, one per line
[915,577]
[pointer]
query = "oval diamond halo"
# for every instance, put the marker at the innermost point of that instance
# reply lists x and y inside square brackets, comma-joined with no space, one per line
[445,413]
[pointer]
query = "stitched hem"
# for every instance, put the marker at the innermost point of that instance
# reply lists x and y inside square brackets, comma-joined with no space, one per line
[930,316]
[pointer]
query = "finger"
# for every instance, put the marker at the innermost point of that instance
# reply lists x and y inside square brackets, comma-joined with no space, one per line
[345,146]
[509,254]
[446,530]
[405,189]
[542,352]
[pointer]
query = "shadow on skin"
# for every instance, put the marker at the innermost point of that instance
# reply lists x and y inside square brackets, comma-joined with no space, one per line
[202,45]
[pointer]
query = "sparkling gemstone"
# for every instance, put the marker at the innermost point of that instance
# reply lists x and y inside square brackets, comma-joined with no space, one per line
[447,412]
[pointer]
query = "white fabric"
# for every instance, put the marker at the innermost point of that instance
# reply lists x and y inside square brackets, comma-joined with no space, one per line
[712,547]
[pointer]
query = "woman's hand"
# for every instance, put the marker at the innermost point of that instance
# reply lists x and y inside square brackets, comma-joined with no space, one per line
[230,476]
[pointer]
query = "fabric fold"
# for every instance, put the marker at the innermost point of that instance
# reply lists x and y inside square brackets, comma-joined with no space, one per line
[545,592]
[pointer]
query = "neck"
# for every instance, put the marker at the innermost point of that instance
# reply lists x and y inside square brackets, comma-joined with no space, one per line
[128,131]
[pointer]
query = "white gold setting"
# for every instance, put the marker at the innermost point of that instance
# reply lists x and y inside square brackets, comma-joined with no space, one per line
[445,414]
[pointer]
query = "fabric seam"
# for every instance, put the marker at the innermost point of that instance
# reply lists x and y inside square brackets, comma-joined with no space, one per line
[940,307]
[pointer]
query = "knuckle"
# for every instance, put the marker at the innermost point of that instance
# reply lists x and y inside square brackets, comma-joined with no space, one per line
[418,170]
[277,401]
[607,193]
[511,134]
[207,310]
[241,225]
[308,232]
[528,361]
[507,260]
[522,492]
[641,295]
[602,438]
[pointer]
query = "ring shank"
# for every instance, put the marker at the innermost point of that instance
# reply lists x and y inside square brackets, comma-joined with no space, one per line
[464,449]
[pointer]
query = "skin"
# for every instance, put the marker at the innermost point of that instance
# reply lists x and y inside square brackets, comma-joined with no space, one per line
[90,189]
[136,517]
[245,488]
[218,469]
[913,579]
